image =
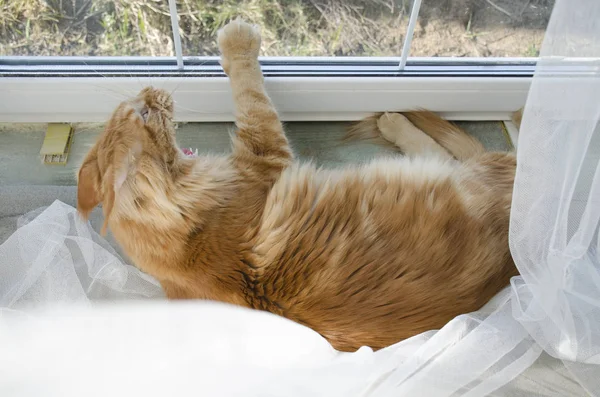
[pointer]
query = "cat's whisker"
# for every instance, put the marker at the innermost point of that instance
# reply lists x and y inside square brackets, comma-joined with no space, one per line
[115,93]
[176,87]
[182,74]
[126,94]
[187,109]
[136,77]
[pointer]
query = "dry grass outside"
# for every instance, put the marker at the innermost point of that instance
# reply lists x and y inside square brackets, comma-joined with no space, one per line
[289,27]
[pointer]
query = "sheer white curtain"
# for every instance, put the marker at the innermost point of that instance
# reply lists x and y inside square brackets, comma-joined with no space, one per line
[553,309]
[556,205]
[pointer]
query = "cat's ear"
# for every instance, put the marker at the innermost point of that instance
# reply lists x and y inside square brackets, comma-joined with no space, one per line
[95,186]
[108,201]
[114,178]
[88,184]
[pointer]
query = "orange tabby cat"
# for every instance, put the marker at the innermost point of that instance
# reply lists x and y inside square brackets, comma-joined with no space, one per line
[365,255]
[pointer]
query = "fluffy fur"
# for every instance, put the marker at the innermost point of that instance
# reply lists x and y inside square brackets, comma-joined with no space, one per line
[366,255]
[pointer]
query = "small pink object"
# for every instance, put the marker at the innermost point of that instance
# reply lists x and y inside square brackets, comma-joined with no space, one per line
[190,152]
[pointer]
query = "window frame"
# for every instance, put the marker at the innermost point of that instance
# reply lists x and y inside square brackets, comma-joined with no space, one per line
[208,66]
[87,89]
[65,89]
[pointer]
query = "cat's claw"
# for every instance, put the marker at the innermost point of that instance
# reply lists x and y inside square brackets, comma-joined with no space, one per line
[238,40]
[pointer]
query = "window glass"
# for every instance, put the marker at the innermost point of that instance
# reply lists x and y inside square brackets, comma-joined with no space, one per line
[85,27]
[461,28]
[481,28]
[301,27]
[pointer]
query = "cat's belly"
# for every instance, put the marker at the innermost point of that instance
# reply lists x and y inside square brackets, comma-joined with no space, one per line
[373,201]
[378,253]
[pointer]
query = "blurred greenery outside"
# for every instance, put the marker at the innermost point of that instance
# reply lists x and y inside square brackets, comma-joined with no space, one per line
[461,28]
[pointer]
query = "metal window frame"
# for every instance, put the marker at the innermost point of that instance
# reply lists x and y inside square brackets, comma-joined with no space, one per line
[116,67]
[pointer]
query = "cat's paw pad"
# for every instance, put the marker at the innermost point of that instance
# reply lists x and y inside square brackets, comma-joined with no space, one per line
[393,125]
[239,39]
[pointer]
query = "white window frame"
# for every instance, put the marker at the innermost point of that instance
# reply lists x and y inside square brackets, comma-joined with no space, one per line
[74,90]
[26,100]
[71,89]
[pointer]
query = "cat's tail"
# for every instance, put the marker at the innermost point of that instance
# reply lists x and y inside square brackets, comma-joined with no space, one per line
[365,129]
[448,135]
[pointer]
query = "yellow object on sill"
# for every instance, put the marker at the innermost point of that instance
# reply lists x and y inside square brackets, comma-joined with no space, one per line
[57,144]
[507,136]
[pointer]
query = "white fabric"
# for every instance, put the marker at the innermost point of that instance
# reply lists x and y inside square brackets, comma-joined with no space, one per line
[54,257]
[159,348]
[556,205]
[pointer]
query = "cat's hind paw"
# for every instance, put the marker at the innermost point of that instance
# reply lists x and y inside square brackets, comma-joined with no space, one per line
[394,127]
[398,129]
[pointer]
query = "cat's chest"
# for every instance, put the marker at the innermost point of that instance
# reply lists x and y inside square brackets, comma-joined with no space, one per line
[290,211]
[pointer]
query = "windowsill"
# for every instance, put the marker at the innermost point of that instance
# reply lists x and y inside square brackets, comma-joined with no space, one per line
[320,142]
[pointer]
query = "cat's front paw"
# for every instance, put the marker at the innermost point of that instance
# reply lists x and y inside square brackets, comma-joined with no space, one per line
[238,40]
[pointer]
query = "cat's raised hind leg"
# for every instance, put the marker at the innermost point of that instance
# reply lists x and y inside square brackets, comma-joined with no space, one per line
[452,138]
[397,129]
[260,144]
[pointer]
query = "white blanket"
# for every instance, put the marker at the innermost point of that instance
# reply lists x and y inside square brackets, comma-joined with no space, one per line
[61,334]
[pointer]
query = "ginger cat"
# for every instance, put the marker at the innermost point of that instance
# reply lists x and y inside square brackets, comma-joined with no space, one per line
[365,255]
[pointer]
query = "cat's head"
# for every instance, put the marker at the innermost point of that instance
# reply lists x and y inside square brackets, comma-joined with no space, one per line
[138,139]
